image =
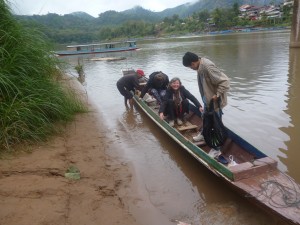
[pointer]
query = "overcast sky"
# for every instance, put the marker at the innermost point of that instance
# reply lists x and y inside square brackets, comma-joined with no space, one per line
[92,7]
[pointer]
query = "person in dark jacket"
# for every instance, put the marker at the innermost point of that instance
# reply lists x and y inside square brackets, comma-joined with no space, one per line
[157,84]
[176,102]
[129,83]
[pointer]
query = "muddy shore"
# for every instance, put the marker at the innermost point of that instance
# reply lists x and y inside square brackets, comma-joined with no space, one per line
[34,189]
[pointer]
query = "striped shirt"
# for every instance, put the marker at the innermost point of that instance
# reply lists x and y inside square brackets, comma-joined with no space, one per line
[212,81]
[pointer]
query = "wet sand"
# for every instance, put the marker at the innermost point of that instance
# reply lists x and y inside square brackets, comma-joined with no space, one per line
[34,189]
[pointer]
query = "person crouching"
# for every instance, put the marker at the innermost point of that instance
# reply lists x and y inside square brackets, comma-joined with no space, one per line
[176,102]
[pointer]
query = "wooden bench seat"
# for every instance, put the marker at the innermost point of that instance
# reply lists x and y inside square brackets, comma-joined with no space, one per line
[186,126]
[247,169]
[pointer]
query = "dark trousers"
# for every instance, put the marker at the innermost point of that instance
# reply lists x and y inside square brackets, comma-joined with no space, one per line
[123,91]
[173,111]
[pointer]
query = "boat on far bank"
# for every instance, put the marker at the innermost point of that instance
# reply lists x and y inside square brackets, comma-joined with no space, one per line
[99,48]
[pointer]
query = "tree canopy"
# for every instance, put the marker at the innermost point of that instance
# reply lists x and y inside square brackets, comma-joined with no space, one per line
[137,23]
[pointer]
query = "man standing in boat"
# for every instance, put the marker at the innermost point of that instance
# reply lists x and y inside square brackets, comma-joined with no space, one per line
[129,83]
[212,82]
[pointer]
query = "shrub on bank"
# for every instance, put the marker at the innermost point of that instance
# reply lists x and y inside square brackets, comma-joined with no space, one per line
[31,98]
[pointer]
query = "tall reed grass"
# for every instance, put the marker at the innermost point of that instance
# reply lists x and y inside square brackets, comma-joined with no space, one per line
[31,100]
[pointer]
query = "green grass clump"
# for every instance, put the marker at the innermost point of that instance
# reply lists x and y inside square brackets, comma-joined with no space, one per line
[31,98]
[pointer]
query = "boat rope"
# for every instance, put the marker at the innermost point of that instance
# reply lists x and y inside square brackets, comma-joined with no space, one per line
[280,195]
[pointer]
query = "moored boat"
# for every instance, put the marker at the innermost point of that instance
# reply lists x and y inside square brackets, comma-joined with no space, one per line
[109,59]
[99,48]
[249,171]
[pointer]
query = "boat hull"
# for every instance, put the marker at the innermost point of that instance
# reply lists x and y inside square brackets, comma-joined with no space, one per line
[251,180]
[66,53]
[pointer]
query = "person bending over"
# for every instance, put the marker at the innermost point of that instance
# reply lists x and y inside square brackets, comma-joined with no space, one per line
[156,85]
[129,83]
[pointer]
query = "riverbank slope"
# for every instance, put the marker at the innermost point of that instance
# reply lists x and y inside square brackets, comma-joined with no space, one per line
[34,189]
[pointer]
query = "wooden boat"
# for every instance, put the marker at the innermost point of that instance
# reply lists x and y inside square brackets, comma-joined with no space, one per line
[255,175]
[99,48]
[108,59]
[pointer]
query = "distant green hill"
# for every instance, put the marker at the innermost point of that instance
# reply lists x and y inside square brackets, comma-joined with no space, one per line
[80,27]
[183,11]
[82,15]
[112,17]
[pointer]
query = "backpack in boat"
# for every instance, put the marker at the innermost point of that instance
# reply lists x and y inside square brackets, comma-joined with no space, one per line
[214,131]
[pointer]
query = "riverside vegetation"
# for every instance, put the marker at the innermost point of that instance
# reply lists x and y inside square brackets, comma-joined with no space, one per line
[32,99]
[141,23]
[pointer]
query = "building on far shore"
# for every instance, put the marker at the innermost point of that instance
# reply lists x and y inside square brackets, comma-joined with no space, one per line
[269,11]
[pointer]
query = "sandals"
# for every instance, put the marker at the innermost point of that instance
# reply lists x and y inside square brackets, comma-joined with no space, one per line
[221,159]
[217,155]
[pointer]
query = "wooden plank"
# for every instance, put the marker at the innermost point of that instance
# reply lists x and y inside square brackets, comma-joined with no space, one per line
[108,59]
[200,143]
[247,169]
[186,126]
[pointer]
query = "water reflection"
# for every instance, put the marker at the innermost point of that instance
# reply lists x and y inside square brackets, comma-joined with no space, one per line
[293,108]
[131,119]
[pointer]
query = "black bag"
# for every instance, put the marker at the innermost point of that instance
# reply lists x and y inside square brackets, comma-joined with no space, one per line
[214,131]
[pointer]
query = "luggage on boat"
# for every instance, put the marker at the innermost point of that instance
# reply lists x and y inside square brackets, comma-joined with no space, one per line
[214,131]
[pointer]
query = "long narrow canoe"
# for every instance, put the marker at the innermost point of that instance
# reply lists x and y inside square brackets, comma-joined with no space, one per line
[255,175]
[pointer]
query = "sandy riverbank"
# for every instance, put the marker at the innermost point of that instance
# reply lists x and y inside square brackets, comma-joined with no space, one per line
[34,190]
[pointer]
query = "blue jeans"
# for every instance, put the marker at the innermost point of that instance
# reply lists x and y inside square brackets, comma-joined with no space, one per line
[158,94]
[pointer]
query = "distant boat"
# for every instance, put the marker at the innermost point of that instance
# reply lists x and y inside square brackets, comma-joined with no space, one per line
[109,59]
[99,48]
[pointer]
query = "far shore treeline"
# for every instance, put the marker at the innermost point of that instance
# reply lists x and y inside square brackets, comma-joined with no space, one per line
[137,23]
[32,100]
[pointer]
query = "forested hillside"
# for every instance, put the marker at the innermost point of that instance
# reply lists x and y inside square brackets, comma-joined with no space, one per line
[79,27]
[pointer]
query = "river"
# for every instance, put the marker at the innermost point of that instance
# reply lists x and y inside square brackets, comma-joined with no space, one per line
[263,108]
